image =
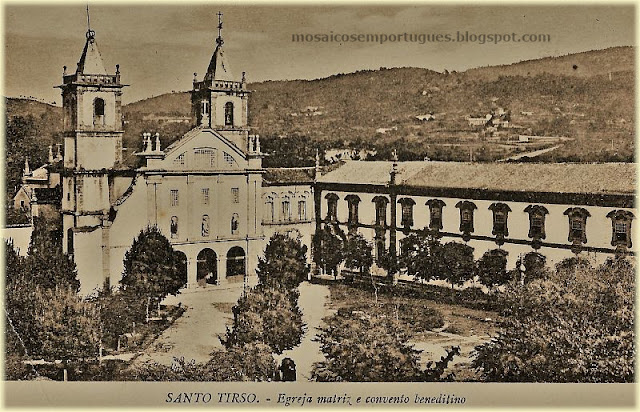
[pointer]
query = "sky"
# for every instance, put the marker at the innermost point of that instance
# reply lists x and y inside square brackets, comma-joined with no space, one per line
[159,47]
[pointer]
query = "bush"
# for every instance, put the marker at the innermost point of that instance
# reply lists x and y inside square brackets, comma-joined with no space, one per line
[284,263]
[266,315]
[362,348]
[252,362]
[491,268]
[575,326]
[357,253]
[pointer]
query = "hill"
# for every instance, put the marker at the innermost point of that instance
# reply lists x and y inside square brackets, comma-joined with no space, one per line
[377,109]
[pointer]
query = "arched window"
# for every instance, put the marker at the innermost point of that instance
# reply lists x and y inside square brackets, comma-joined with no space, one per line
[466,218]
[500,213]
[621,228]
[332,207]
[302,210]
[435,212]
[537,216]
[381,210]
[407,211]
[98,112]
[353,201]
[228,114]
[174,227]
[205,226]
[286,209]
[577,224]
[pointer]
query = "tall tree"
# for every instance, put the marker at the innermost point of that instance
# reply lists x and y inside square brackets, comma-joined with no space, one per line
[46,265]
[357,253]
[152,266]
[327,250]
[458,263]
[422,256]
[491,268]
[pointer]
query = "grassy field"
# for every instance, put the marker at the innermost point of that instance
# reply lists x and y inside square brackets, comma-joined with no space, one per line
[431,326]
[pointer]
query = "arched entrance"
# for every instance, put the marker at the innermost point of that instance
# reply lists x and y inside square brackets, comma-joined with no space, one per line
[207,267]
[236,262]
[182,266]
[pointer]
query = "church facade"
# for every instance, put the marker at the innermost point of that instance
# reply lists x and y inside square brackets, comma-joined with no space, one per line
[204,191]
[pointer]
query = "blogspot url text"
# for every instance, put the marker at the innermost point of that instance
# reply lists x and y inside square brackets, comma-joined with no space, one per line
[421,38]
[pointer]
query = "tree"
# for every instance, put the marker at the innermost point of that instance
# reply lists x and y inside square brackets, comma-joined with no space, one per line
[535,266]
[118,310]
[357,253]
[268,315]
[284,262]
[152,266]
[491,268]
[422,256]
[574,326]
[361,348]
[458,265]
[46,265]
[14,263]
[70,326]
[327,251]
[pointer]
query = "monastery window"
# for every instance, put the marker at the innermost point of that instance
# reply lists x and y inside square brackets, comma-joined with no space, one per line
[435,213]
[205,226]
[621,228]
[286,209]
[205,108]
[577,224]
[381,210]
[353,201]
[234,224]
[332,207]
[228,114]
[174,227]
[500,214]
[205,196]
[466,216]
[536,221]
[98,112]
[302,210]
[270,209]
[235,195]
[70,241]
[79,193]
[407,211]
[174,197]
[205,157]
[180,160]
[229,159]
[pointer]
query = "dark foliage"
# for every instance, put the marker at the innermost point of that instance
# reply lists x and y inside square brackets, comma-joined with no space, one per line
[284,263]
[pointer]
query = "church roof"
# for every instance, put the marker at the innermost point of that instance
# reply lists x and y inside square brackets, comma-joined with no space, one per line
[288,176]
[588,178]
[218,66]
[90,60]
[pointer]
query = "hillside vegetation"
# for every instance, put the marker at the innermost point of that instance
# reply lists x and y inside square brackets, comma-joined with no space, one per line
[586,96]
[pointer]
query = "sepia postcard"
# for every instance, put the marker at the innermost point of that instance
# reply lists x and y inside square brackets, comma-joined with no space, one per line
[319,205]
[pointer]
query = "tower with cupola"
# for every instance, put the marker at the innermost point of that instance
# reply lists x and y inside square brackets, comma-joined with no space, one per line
[92,126]
[220,101]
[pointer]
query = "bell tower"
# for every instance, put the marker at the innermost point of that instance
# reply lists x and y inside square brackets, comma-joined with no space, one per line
[92,127]
[220,101]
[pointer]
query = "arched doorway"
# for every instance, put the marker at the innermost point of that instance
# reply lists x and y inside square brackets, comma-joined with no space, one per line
[207,267]
[182,266]
[236,262]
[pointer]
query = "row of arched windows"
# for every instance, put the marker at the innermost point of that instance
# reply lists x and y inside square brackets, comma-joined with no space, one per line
[621,219]
[287,208]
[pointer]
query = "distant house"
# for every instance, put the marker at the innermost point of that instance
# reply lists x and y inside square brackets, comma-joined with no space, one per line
[527,113]
[478,120]
[384,130]
[425,117]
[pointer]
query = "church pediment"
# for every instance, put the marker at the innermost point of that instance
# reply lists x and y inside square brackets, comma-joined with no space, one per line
[201,150]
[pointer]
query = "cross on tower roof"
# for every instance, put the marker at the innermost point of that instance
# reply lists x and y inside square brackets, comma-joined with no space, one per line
[219,39]
[90,33]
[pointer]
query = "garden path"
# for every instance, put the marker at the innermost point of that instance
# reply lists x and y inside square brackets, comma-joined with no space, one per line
[312,302]
[195,334]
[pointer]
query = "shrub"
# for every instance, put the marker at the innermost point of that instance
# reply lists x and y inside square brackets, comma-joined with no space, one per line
[491,268]
[458,264]
[362,348]
[357,253]
[575,326]
[422,256]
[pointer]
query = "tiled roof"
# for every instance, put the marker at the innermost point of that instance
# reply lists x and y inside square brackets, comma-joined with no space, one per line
[274,176]
[612,178]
